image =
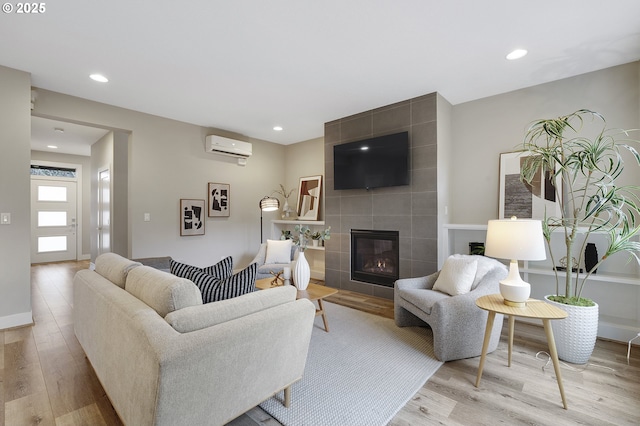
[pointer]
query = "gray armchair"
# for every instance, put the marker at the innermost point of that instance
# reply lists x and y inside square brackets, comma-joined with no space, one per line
[265,269]
[458,325]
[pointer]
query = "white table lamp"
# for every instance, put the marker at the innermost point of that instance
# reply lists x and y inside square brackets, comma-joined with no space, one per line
[515,239]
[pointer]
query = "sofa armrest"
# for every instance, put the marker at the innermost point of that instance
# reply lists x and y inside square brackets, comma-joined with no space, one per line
[225,370]
[261,255]
[198,317]
[424,283]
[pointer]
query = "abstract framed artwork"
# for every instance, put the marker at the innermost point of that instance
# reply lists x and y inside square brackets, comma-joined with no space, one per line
[191,217]
[526,200]
[218,199]
[309,197]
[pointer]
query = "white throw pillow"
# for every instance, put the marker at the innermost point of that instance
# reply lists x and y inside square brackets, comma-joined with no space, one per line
[456,276]
[278,251]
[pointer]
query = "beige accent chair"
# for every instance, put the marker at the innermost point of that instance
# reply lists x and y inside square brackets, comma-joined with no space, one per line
[458,325]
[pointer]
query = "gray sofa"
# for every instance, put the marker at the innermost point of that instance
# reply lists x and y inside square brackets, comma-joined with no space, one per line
[164,358]
[458,325]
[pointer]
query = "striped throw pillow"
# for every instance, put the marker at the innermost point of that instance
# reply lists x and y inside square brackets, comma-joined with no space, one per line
[221,270]
[214,289]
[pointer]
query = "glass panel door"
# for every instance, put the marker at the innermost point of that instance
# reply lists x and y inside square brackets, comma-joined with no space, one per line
[53,220]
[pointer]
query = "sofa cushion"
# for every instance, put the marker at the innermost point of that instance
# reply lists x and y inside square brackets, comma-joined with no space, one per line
[162,291]
[115,267]
[457,275]
[222,269]
[214,289]
[278,251]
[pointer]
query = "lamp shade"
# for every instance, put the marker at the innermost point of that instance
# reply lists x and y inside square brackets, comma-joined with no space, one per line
[519,239]
[269,204]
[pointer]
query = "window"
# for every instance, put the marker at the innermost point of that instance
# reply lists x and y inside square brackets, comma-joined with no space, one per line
[49,244]
[52,218]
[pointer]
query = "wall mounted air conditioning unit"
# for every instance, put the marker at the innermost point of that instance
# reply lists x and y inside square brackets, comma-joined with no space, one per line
[225,146]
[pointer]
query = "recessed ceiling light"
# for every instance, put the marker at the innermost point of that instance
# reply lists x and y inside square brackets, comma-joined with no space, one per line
[277,128]
[52,146]
[516,54]
[99,78]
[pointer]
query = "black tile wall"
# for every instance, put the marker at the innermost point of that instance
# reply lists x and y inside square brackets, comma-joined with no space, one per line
[409,209]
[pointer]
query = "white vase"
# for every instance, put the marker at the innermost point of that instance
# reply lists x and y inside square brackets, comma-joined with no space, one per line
[301,272]
[575,335]
[315,243]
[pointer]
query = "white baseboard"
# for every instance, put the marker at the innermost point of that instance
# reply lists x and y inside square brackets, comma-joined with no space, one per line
[84,257]
[16,320]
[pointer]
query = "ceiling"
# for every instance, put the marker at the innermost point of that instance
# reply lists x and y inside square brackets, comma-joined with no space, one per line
[247,65]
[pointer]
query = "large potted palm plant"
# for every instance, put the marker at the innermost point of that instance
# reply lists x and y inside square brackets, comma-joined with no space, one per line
[588,163]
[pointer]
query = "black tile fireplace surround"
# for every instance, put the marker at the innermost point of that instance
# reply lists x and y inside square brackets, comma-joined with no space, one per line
[375,256]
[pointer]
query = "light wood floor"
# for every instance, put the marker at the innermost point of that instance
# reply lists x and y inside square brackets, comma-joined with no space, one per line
[46,380]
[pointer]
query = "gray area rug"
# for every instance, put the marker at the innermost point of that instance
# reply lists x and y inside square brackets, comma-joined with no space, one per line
[361,373]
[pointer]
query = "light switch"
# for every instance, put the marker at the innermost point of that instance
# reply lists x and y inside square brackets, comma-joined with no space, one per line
[147,217]
[5,218]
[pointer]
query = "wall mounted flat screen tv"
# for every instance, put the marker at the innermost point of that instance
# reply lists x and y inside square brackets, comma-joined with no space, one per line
[372,163]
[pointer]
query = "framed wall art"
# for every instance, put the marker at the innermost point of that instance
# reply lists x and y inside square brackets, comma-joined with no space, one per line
[523,200]
[218,199]
[191,217]
[309,197]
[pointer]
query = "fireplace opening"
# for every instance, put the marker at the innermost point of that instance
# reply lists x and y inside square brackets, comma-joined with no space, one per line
[375,256]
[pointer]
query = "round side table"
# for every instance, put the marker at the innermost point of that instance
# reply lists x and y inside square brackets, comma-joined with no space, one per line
[494,304]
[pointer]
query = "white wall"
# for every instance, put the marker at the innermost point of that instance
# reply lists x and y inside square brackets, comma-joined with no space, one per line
[168,162]
[485,128]
[15,188]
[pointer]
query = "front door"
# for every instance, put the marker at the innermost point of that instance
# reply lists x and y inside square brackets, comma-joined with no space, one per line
[53,220]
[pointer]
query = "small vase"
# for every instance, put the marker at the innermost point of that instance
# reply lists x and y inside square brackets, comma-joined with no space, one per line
[314,243]
[285,209]
[301,272]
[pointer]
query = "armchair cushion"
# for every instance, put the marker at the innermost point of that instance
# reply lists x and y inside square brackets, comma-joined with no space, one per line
[278,251]
[457,276]
[424,299]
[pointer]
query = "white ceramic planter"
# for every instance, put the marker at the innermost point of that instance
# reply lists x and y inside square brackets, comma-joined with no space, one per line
[575,335]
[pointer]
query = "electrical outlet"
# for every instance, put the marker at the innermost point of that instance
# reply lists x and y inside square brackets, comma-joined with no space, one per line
[147,217]
[5,218]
